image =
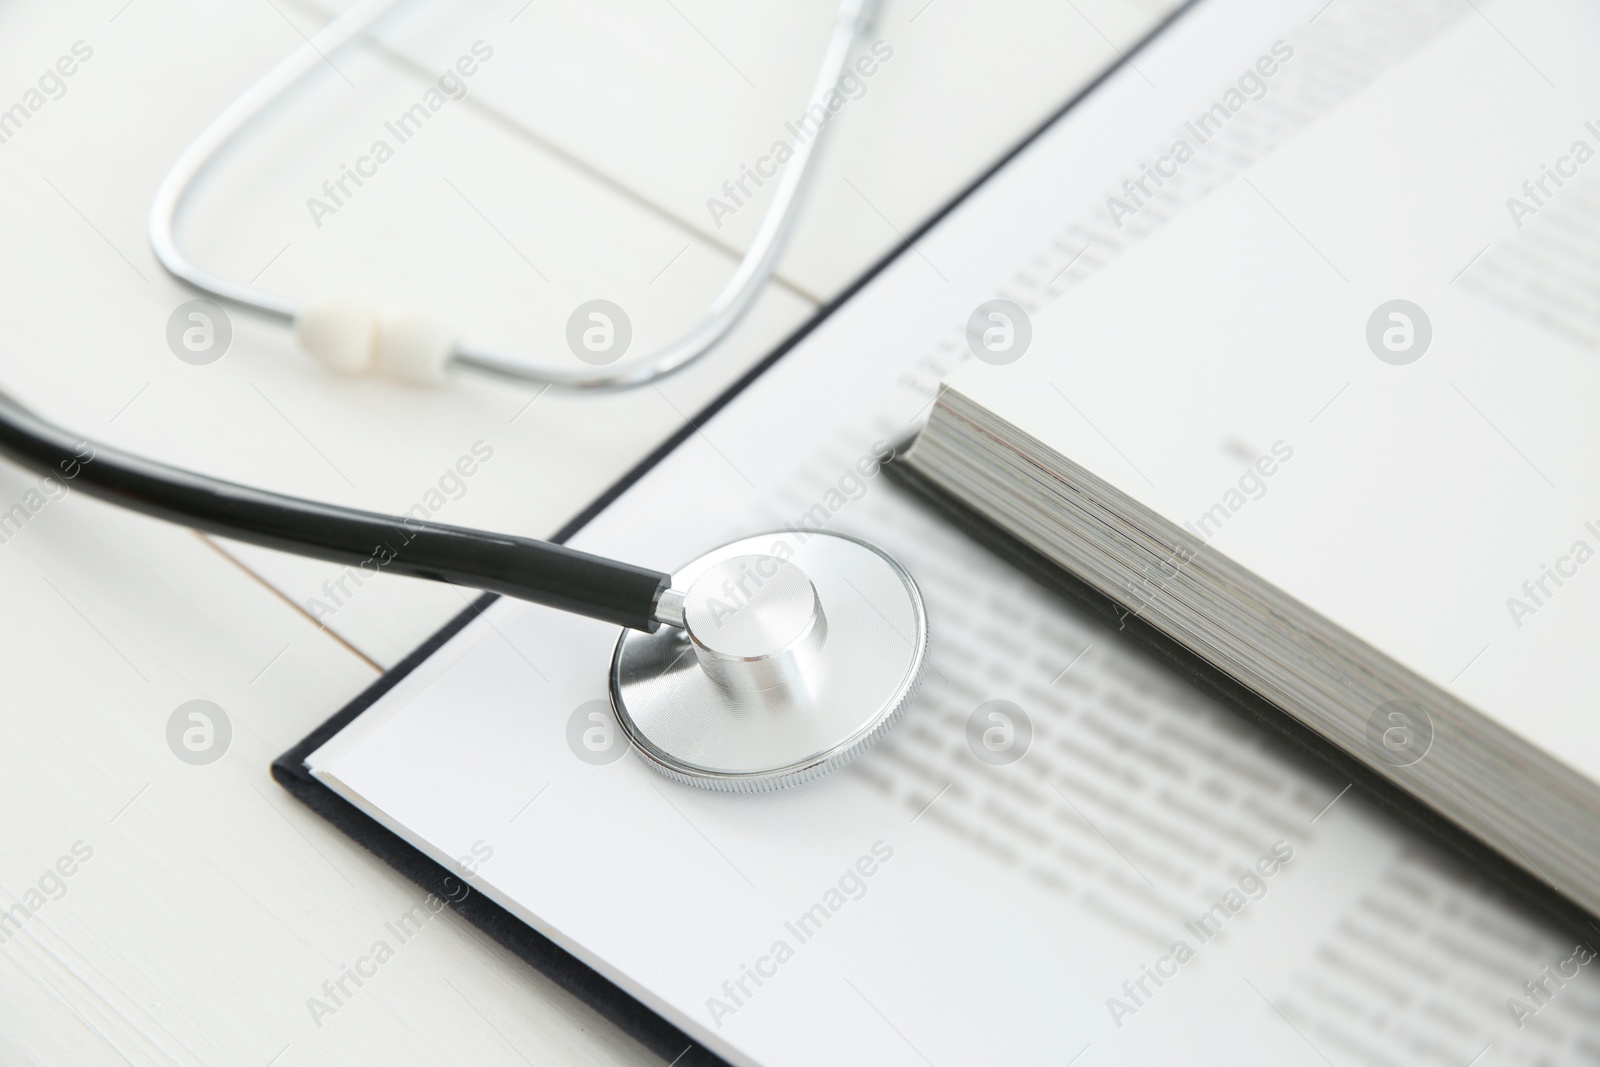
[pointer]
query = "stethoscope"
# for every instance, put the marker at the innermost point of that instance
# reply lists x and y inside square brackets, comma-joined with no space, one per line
[354,338]
[762,664]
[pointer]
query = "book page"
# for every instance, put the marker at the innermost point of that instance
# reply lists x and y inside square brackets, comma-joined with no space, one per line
[1395,309]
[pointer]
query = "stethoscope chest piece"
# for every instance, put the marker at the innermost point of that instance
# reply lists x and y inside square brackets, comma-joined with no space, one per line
[797,651]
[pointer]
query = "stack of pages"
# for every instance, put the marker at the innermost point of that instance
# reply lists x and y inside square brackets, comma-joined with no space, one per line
[1331,429]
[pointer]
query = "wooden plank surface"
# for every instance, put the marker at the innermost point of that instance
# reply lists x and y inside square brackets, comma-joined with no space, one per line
[204,908]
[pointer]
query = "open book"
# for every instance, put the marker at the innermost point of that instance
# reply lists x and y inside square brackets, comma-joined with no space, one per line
[1064,852]
[1333,429]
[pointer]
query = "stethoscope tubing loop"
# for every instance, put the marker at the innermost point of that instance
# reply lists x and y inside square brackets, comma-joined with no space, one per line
[727,309]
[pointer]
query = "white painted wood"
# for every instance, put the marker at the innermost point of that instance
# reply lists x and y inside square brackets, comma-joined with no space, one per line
[670,101]
[213,905]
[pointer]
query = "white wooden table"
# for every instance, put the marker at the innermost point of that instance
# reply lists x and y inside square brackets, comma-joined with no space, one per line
[204,906]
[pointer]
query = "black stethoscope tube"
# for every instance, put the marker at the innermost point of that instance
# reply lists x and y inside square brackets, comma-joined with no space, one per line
[520,567]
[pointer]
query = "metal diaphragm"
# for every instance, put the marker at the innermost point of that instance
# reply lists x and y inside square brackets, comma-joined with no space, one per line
[799,650]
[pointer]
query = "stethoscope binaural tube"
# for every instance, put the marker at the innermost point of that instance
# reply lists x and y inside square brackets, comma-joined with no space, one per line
[349,337]
[520,567]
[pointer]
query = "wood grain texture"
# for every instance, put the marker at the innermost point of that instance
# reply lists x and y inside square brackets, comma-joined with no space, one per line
[210,906]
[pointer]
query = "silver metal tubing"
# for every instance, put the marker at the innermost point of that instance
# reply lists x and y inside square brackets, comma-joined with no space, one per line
[729,306]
